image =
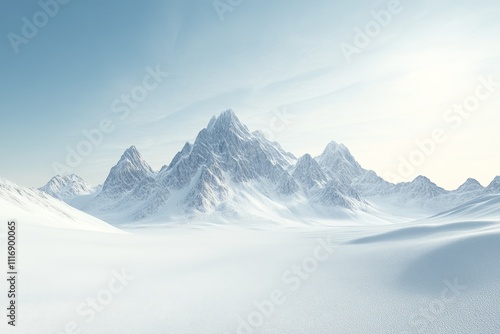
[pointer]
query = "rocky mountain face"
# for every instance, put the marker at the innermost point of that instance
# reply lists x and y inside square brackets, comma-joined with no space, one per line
[337,162]
[130,171]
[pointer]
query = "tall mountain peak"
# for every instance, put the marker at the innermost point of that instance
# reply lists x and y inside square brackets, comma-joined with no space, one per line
[226,121]
[333,146]
[131,155]
[337,161]
[130,169]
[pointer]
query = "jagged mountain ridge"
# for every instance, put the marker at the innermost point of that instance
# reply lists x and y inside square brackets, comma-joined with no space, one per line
[229,169]
[226,169]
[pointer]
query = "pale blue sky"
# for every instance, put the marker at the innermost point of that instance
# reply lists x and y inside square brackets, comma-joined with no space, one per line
[264,56]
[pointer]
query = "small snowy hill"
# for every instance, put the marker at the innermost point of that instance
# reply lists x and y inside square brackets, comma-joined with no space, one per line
[33,207]
[484,207]
[67,187]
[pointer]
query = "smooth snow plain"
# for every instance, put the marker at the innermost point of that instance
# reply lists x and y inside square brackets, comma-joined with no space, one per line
[436,275]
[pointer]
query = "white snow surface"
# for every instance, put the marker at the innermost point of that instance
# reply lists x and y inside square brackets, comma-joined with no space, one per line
[201,278]
[212,239]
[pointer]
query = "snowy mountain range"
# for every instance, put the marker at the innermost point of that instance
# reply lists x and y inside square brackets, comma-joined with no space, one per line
[230,172]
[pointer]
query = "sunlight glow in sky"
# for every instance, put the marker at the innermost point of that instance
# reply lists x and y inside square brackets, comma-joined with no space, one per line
[263,57]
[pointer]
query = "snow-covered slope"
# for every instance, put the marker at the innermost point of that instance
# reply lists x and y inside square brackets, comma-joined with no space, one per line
[484,207]
[439,278]
[31,206]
